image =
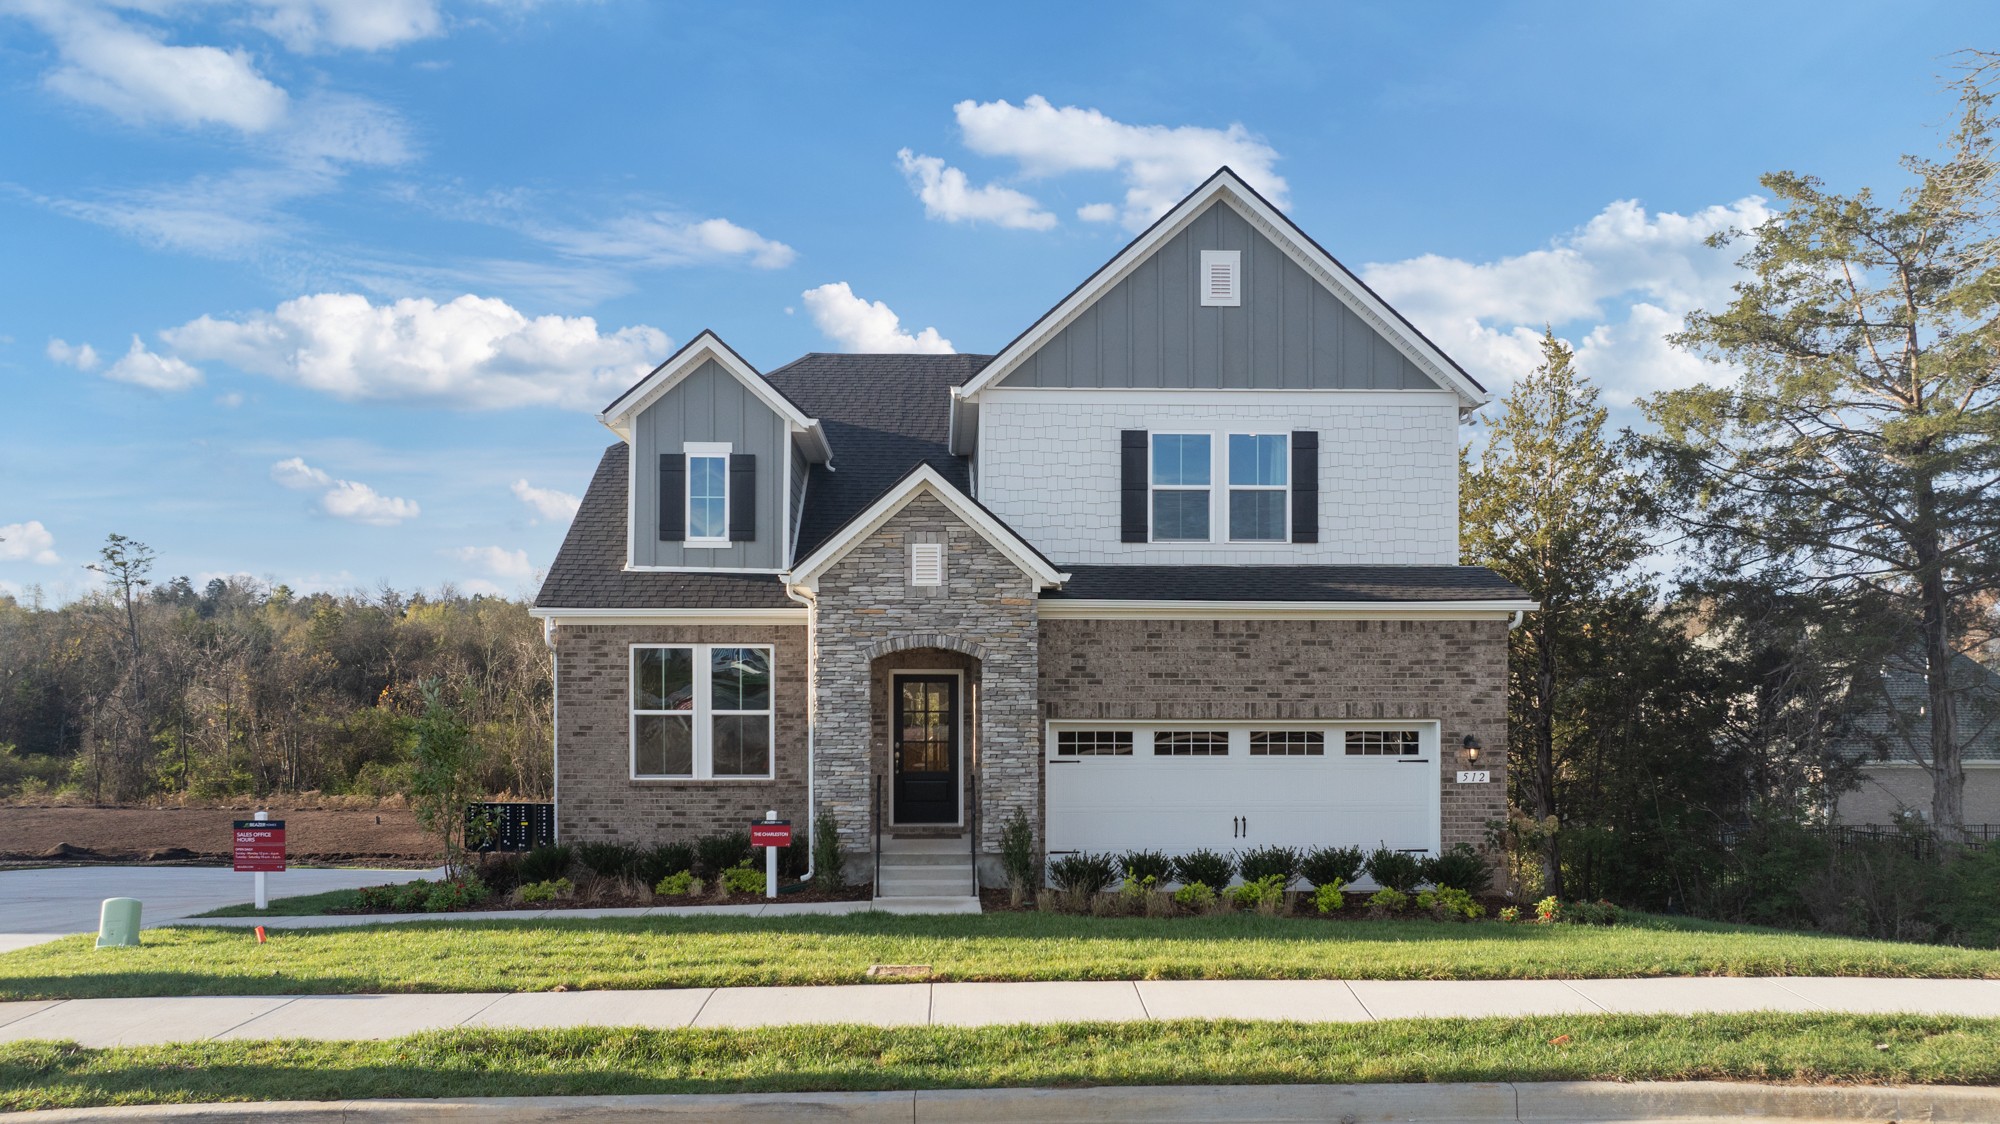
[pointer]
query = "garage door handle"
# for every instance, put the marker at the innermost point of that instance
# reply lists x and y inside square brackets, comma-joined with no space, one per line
[1413,760]
[1064,761]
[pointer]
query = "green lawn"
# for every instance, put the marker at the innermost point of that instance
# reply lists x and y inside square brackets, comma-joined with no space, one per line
[301,905]
[705,951]
[608,1061]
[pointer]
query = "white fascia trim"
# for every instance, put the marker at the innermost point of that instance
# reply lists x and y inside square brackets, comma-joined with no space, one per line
[1098,609]
[1227,187]
[702,348]
[924,479]
[1139,396]
[672,616]
[703,569]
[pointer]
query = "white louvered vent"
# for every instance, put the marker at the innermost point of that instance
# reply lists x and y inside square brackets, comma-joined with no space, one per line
[927,563]
[1221,278]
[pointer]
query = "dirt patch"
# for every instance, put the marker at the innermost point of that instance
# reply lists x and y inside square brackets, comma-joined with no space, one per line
[201,835]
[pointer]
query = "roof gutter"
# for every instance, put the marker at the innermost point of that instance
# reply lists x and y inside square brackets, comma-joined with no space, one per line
[1082,608]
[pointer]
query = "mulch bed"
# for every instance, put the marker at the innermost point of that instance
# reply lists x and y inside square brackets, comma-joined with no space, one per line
[609,900]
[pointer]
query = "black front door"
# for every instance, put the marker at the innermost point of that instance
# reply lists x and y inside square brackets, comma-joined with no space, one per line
[926,748]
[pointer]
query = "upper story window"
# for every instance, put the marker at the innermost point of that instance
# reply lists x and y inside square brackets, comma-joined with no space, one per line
[701,712]
[1181,472]
[707,493]
[1258,486]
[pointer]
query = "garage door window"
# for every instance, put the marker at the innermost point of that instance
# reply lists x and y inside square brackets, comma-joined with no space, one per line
[1094,743]
[1382,743]
[1191,743]
[1287,743]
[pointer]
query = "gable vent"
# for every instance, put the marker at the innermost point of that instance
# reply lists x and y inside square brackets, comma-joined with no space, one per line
[1221,278]
[927,563]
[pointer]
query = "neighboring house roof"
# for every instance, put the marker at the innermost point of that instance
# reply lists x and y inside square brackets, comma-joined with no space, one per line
[1341,584]
[1899,728]
[589,571]
[884,415]
[922,480]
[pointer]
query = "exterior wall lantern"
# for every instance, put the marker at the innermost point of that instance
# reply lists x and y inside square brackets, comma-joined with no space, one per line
[1471,748]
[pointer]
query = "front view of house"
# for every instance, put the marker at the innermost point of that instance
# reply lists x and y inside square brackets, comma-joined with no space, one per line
[1177,568]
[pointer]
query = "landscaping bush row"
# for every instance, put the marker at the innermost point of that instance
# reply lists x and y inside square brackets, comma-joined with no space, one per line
[1460,867]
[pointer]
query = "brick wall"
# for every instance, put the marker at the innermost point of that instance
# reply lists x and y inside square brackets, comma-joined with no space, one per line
[1452,671]
[596,797]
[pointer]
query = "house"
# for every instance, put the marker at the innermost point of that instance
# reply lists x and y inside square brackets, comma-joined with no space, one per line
[1176,568]
[1891,742]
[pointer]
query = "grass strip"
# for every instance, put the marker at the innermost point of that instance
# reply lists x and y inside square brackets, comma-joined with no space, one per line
[654,952]
[299,905]
[1872,1049]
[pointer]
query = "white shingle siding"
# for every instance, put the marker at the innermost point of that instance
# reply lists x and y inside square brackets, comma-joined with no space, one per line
[1388,473]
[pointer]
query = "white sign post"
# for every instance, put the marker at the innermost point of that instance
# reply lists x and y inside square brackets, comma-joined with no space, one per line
[262,901]
[771,860]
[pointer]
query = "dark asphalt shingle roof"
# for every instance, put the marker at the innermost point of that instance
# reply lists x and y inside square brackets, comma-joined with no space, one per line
[589,571]
[1897,726]
[1286,583]
[884,415]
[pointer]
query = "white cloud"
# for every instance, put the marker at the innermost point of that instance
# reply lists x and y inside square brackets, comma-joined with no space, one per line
[230,400]
[28,542]
[473,352]
[506,564]
[947,195]
[141,367]
[82,356]
[547,502]
[1098,212]
[1622,281]
[1157,163]
[662,239]
[130,72]
[861,325]
[365,25]
[344,499]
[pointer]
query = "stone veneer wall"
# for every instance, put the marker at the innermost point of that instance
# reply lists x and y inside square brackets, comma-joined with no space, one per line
[597,799]
[1451,671]
[866,609]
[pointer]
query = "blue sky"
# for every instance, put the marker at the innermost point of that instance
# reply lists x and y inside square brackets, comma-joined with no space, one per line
[353,276]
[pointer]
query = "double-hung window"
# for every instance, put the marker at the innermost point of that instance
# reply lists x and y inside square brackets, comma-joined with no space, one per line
[1181,471]
[1259,491]
[708,493]
[701,712]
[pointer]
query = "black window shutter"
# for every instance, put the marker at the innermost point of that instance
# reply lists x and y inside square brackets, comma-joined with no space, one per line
[673,497]
[742,497]
[1305,486]
[1132,486]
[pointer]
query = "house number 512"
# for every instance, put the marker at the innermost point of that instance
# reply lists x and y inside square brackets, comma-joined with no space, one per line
[1474,776]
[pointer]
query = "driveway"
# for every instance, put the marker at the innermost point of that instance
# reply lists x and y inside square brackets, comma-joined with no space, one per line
[48,902]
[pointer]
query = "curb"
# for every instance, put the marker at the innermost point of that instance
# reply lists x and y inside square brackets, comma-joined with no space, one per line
[1552,1102]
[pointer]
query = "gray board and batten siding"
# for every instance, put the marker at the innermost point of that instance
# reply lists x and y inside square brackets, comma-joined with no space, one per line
[709,404]
[1150,330]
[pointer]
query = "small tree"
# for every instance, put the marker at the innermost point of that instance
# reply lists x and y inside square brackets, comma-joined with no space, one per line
[828,868]
[444,781]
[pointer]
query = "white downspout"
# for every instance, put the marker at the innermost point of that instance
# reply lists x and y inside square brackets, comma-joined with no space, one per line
[812,640]
[555,727]
[1516,622]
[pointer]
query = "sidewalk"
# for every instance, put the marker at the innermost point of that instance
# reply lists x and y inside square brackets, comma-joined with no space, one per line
[132,1022]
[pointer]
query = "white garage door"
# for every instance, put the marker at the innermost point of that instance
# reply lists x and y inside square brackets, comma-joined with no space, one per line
[1230,786]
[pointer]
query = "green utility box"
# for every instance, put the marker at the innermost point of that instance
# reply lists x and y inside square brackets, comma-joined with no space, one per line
[118,923]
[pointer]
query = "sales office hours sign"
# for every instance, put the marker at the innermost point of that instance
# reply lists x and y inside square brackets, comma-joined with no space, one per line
[260,845]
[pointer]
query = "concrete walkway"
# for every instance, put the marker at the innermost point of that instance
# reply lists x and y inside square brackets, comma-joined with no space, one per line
[131,1022]
[43,903]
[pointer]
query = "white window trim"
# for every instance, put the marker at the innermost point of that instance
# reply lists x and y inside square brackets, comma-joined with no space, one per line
[1229,486]
[1152,488]
[702,716]
[691,450]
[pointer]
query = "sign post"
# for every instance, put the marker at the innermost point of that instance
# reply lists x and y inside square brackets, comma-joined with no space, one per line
[771,833]
[260,847]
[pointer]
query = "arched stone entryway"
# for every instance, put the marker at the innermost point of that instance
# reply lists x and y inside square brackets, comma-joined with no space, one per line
[924,736]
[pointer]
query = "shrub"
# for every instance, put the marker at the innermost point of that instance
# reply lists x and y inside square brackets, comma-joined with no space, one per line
[795,857]
[1264,895]
[663,859]
[501,872]
[376,899]
[411,897]
[1138,889]
[1018,856]
[1196,896]
[828,874]
[677,885]
[1325,866]
[547,862]
[1591,913]
[608,860]
[1461,866]
[1083,874]
[1327,897]
[1395,870]
[1448,904]
[1211,868]
[1261,863]
[743,879]
[456,893]
[1549,909]
[714,854]
[1510,913]
[1386,901]
[1970,909]
[536,893]
[1154,865]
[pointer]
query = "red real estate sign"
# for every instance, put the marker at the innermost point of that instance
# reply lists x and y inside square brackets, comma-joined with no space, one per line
[765,833]
[260,845]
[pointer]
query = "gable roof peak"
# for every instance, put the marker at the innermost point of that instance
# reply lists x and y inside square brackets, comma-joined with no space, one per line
[704,347]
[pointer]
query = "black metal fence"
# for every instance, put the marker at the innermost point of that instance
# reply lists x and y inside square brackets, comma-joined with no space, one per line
[1921,845]
[515,827]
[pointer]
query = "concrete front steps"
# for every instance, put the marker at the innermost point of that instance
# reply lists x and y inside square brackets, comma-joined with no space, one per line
[928,867]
